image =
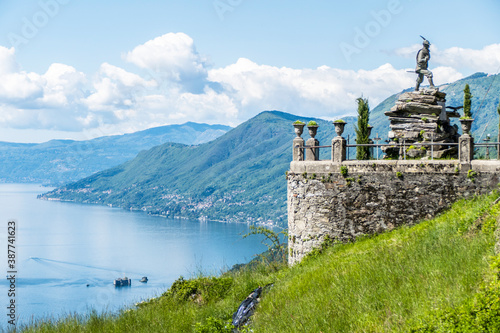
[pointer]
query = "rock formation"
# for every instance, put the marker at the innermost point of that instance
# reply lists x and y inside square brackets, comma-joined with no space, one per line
[421,117]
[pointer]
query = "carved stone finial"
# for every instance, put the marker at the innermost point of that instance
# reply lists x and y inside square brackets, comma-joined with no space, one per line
[339,127]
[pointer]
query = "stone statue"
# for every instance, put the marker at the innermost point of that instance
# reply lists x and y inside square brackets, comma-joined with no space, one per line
[423,57]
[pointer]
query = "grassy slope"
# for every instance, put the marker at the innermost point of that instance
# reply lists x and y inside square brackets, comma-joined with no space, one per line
[384,283]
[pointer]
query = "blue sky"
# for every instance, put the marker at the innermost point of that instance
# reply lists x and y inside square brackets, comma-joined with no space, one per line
[80,69]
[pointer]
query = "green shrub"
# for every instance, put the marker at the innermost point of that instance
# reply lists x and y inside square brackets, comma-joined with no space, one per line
[349,181]
[276,247]
[362,137]
[344,171]
[317,251]
[467,102]
[471,174]
[200,290]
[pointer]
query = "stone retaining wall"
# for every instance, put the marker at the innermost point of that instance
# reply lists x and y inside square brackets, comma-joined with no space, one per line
[374,196]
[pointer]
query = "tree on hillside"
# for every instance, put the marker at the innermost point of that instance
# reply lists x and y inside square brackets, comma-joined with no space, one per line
[467,102]
[362,135]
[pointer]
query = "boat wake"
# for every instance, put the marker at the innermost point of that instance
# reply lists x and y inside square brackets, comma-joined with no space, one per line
[46,261]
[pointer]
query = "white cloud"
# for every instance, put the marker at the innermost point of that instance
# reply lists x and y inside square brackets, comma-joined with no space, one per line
[115,88]
[63,86]
[7,61]
[411,51]
[31,100]
[445,74]
[125,78]
[207,107]
[180,107]
[172,55]
[55,88]
[324,91]
[115,100]
[485,60]
[20,87]
[16,85]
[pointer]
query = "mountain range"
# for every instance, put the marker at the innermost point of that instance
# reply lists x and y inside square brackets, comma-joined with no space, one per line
[240,176]
[57,162]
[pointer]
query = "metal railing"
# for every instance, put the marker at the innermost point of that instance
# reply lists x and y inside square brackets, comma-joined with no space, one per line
[403,147]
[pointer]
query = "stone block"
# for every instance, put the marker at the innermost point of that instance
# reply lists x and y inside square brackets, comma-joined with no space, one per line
[415,107]
[312,154]
[417,97]
[465,148]
[414,127]
[339,149]
[298,149]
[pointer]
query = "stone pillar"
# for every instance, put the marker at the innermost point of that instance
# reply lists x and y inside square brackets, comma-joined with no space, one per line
[298,149]
[498,146]
[339,148]
[465,148]
[312,154]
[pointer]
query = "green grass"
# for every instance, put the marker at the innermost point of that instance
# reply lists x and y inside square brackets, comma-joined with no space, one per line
[383,283]
[412,278]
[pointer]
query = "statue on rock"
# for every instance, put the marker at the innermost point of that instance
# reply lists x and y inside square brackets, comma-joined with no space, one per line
[423,57]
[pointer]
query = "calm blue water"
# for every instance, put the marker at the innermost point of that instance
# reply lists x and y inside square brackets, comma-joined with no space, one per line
[62,247]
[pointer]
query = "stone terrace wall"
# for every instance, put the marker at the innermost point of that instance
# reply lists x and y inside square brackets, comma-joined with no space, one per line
[374,196]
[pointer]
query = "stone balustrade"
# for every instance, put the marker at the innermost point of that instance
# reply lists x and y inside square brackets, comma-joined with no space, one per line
[309,150]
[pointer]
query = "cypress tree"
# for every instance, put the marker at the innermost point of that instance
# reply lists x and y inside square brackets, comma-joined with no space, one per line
[362,153]
[467,102]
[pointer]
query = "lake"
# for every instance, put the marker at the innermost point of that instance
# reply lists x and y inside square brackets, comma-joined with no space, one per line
[67,254]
